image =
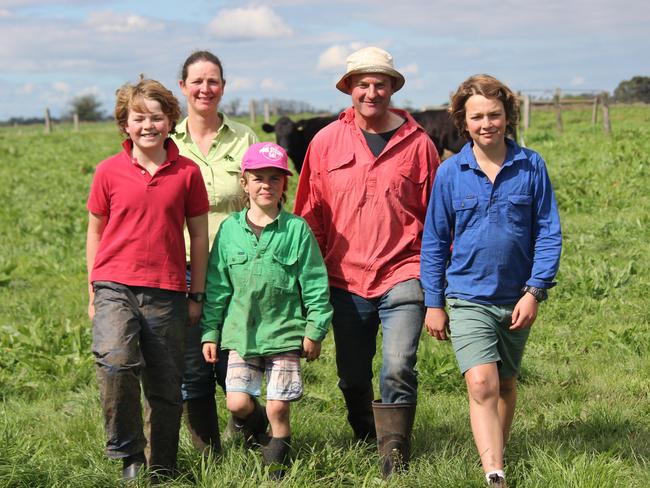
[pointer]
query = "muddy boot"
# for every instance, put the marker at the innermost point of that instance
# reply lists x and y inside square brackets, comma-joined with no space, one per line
[360,414]
[276,455]
[202,423]
[252,429]
[394,423]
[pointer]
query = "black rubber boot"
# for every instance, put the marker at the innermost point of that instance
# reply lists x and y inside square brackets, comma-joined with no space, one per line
[360,415]
[394,423]
[202,423]
[253,428]
[131,466]
[276,455]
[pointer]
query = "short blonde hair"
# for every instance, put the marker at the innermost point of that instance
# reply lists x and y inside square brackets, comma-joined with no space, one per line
[489,87]
[131,97]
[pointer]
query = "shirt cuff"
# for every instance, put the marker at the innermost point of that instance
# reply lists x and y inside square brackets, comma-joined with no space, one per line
[434,300]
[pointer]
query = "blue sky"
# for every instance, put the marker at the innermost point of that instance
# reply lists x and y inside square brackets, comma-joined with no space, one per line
[52,51]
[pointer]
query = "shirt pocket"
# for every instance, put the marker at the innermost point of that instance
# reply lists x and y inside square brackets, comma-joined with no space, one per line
[466,211]
[284,271]
[339,179]
[410,178]
[238,268]
[519,213]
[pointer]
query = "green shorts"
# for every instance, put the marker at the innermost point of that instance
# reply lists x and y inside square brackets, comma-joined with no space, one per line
[480,334]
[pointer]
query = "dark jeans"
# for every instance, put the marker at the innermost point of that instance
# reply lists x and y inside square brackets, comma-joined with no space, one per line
[138,336]
[200,378]
[400,311]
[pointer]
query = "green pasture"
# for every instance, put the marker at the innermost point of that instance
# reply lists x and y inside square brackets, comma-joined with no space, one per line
[583,418]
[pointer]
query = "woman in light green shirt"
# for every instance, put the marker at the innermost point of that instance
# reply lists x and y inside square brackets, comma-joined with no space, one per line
[217,145]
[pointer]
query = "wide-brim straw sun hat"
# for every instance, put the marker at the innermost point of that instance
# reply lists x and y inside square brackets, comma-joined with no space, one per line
[370,60]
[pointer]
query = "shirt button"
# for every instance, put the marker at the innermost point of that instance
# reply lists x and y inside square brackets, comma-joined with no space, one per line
[209,184]
[142,171]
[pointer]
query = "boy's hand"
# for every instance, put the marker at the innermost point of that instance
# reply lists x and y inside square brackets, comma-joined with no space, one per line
[310,349]
[91,310]
[194,310]
[525,312]
[437,323]
[210,352]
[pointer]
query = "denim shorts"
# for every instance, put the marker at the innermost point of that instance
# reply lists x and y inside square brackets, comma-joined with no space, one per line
[480,334]
[283,378]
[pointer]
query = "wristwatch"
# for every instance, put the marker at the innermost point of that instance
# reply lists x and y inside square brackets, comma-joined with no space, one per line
[198,297]
[540,294]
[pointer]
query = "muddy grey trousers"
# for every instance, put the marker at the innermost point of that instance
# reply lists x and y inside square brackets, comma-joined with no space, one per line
[138,337]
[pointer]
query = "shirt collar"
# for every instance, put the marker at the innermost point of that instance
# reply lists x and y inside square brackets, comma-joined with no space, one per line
[172,149]
[183,133]
[514,153]
[280,219]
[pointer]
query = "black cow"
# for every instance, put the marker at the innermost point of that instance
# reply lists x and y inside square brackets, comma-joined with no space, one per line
[294,137]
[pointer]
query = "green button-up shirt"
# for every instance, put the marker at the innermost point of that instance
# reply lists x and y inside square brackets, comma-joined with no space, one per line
[264,297]
[221,169]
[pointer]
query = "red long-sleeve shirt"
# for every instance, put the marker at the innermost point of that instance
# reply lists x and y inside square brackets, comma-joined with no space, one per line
[367,212]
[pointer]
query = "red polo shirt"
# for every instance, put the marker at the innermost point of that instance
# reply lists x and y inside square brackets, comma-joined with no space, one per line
[368,212]
[142,243]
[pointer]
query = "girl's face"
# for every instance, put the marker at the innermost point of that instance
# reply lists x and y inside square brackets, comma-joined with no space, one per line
[264,187]
[148,129]
[203,87]
[485,119]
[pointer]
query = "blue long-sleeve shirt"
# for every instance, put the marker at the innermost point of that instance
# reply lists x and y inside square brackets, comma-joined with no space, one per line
[505,235]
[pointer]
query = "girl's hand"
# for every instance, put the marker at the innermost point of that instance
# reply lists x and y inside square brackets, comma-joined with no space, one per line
[525,312]
[310,349]
[437,323]
[210,352]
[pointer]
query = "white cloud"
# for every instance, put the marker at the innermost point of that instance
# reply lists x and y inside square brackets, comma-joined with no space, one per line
[271,84]
[26,89]
[333,58]
[61,87]
[5,13]
[238,83]
[110,22]
[409,69]
[248,23]
[577,81]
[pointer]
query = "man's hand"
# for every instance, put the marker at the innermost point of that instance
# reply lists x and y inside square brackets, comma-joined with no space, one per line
[210,352]
[310,349]
[437,323]
[194,310]
[525,312]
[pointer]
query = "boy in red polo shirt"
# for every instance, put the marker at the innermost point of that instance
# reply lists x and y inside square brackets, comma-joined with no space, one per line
[139,202]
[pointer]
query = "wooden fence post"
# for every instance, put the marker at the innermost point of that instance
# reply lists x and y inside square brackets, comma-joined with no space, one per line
[558,110]
[526,111]
[607,126]
[267,112]
[75,122]
[48,121]
[594,111]
[252,109]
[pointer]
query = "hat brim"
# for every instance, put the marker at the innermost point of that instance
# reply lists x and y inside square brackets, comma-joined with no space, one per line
[342,85]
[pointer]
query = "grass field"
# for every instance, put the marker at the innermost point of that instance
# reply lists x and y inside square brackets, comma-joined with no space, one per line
[583,419]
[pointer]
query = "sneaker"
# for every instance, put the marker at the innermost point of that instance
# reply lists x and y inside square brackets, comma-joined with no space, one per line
[496,481]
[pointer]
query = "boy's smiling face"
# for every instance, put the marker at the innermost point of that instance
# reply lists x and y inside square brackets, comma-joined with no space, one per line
[148,127]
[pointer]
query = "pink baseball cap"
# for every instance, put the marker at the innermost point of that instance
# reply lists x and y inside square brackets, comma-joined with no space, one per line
[265,155]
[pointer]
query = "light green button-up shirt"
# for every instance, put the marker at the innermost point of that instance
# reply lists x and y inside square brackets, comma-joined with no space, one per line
[221,169]
[264,297]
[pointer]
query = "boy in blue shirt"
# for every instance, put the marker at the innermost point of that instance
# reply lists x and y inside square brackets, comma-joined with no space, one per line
[492,233]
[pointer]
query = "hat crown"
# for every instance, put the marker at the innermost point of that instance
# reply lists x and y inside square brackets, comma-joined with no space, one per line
[369,57]
[265,155]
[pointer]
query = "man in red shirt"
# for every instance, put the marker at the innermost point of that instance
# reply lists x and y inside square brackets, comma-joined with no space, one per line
[364,190]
